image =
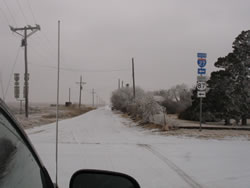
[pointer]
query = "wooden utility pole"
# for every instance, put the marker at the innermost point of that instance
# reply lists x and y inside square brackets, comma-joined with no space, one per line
[81,83]
[24,44]
[96,100]
[93,97]
[133,75]
[119,83]
[69,95]
[122,83]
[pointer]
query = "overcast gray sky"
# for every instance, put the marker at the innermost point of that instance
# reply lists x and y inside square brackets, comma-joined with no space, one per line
[99,38]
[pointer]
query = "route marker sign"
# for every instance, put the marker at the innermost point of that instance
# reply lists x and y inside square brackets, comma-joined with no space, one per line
[201,62]
[201,94]
[201,86]
[201,55]
[201,78]
[201,71]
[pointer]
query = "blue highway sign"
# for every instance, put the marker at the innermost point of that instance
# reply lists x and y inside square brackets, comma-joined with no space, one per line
[201,71]
[202,62]
[201,55]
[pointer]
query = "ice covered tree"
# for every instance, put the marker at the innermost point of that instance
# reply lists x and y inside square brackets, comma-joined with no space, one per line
[176,99]
[143,106]
[236,82]
[228,94]
[147,107]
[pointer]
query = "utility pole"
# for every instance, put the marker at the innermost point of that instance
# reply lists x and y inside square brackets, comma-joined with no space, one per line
[96,100]
[122,83]
[81,83]
[69,94]
[93,97]
[119,83]
[24,44]
[133,75]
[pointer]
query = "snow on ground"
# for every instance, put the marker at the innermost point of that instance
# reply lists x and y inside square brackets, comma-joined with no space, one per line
[101,139]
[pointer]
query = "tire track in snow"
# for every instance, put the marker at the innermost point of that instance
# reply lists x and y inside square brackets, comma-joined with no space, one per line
[190,181]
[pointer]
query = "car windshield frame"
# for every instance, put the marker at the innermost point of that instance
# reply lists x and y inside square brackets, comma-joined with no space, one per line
[4,110]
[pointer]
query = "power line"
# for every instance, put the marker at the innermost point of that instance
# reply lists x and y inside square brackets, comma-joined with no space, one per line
[46,49]
[42,55]
[80,70]
[32,13]
[13,18]
[5,16]
[52,51]
[25,18]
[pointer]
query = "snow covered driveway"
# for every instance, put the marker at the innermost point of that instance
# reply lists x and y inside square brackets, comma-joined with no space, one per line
[103,140]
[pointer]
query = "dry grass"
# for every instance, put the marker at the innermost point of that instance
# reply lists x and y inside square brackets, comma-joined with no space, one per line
[47,114]
[171,129]
[210,134]
[68,112]
[152,126]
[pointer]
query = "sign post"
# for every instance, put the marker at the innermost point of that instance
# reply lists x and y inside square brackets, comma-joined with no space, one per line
[201,80]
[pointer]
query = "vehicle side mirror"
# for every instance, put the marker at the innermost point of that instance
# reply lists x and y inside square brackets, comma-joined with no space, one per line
[102,179]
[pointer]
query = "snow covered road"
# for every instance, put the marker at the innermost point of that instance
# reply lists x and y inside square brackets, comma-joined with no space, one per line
[103,140]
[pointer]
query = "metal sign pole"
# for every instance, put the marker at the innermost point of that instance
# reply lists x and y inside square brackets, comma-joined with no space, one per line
[201,81]
[200,114]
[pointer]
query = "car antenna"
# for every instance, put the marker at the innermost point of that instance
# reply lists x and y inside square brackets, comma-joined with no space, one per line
[57,104]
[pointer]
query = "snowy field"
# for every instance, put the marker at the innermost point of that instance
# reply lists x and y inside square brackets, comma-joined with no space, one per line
[101,139]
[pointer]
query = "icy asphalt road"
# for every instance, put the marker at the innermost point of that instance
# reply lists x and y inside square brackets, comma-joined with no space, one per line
[101,139]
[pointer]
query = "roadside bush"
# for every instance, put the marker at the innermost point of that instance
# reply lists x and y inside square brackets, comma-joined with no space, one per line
[194,115]
[121,99]
[143,107]
[176,99]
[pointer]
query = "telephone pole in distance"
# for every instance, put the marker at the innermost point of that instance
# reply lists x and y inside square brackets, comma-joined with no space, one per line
[133,75]
[93,97]
[81,83]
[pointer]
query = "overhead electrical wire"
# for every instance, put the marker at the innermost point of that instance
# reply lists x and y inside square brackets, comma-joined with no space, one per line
[20,7]
[41,31]
[48,50]
[32,13]
[80,70]
[11,14]
[5,16]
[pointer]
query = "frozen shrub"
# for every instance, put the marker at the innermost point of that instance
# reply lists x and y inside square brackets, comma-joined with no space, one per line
[147,108]
[121,98]
[143,106]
